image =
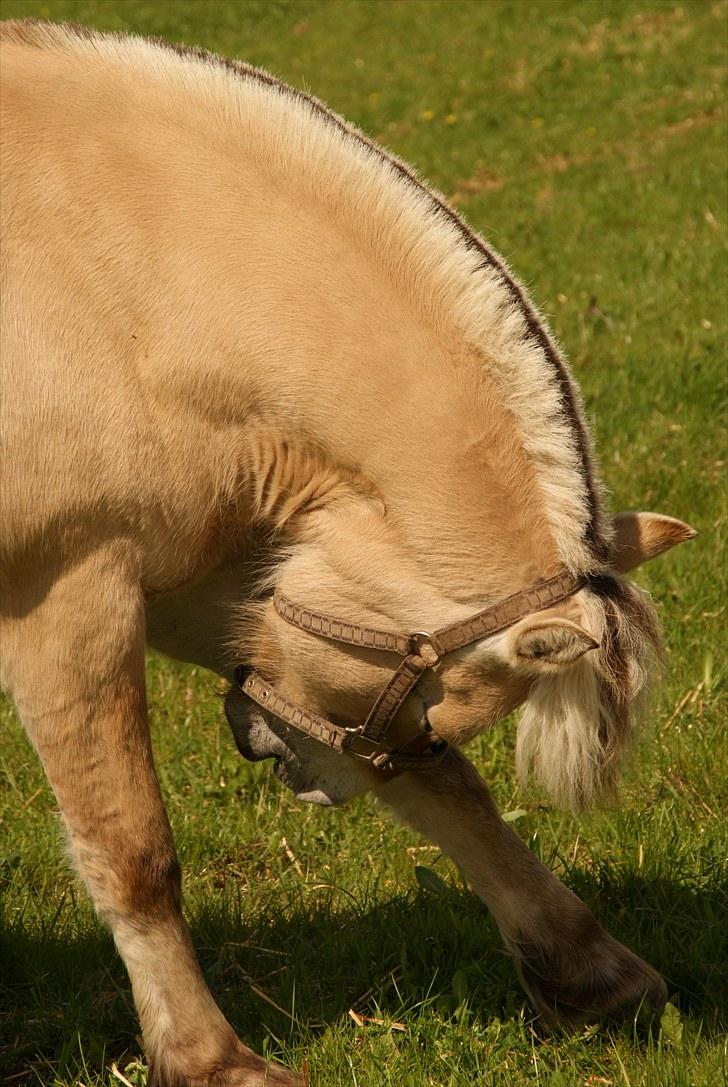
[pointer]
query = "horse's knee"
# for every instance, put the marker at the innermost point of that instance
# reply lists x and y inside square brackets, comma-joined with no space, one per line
[151,878]
[130,878]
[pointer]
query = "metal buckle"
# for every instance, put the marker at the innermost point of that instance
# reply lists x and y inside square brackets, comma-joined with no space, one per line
[361,747]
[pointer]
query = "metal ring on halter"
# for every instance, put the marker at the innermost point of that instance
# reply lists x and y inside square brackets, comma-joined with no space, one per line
[422,640]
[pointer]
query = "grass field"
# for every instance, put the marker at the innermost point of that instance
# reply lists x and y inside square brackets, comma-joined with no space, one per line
[587,141]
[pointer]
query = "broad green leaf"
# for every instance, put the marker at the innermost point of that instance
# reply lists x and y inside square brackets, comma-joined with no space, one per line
[429,880]
[671,1025]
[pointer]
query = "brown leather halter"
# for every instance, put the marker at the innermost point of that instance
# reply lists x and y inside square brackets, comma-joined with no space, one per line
[419,651]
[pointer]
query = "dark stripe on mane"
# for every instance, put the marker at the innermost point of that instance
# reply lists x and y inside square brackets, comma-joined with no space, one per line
[536,330]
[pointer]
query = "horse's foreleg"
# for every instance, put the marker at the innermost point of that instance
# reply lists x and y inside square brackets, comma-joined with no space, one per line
[75,664]
[571,968]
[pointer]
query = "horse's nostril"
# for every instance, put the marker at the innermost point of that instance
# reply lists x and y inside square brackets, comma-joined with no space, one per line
[250,753]
[247,752]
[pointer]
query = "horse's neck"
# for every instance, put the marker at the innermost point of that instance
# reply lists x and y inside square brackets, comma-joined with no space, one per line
[394,418]
[449,495]
[317,340]
[449,466]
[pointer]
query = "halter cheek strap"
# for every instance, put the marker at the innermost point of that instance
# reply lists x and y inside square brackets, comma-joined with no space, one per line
[419,652]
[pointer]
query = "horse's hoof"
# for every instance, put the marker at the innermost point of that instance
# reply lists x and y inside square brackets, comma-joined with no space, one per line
[571,985]
[240,1069]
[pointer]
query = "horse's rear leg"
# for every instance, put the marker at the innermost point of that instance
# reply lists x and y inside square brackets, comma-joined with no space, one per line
[571,968]
[74,662]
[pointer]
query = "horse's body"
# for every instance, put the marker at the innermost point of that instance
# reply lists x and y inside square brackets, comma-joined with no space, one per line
[238,338]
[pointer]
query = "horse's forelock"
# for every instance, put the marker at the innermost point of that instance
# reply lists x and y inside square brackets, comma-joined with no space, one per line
[577,725]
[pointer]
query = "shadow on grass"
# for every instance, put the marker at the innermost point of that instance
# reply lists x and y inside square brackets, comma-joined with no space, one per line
[316,955]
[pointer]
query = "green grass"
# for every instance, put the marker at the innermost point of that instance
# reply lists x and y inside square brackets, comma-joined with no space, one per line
[586,140]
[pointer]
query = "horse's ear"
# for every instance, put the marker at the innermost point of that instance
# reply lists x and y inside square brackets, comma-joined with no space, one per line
[642,536]
[550,642]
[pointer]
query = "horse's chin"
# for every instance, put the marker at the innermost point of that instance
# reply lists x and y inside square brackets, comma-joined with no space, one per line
[313,772]
[309,792]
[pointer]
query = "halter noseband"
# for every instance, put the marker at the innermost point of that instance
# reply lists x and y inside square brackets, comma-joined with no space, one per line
[419,651]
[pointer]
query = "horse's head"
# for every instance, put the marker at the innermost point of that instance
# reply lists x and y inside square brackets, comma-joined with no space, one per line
[578,665]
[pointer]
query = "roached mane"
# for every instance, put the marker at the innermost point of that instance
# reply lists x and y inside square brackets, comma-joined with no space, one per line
[576,724]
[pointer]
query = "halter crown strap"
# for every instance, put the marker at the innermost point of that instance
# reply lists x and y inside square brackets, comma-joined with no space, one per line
[500,616]
[491,620]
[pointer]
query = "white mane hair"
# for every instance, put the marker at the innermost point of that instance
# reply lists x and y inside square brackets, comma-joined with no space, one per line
[436,259]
